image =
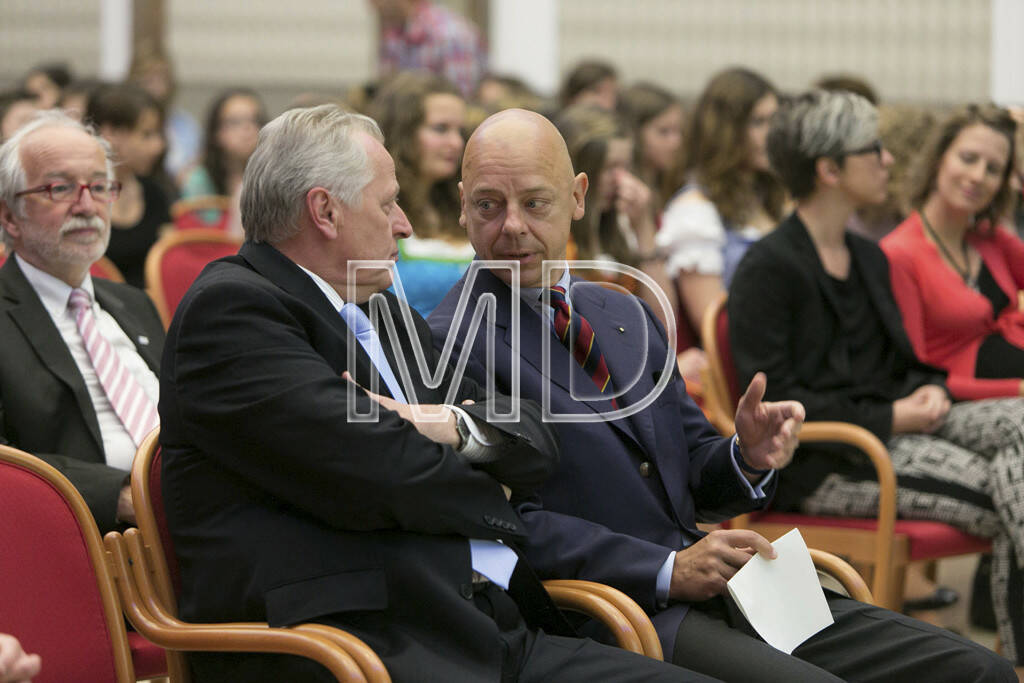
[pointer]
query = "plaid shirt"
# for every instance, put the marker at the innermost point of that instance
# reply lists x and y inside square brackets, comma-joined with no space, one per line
[438,40]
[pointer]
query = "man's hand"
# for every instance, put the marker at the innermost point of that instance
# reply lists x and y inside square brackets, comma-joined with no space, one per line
[15,665]
[125,507]
[701,570]
[923,412]
[441,431]
[768,432]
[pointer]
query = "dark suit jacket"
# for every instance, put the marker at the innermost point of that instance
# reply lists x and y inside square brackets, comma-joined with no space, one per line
[627,492]
[785,318]
[45,408]
[284,510]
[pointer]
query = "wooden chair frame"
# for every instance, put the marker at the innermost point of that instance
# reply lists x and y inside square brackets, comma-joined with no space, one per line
[105,582]
[155,257]
[152,591]
[210,202]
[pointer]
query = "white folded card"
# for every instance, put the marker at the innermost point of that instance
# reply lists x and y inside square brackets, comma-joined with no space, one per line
[782,598]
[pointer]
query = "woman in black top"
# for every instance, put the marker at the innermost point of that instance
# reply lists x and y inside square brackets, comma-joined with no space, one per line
[130,120]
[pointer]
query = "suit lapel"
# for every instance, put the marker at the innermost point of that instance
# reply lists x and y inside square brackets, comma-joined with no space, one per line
[878,293]
[801,241]
[115,306]
[43,337]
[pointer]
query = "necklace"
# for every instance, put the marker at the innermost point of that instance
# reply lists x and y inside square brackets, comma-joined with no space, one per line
[965,272]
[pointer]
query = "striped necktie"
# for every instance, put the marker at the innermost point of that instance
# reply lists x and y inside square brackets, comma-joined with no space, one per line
[573,330]
[136,412]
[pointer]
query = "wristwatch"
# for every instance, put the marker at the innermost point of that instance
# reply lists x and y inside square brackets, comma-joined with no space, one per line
[462,428]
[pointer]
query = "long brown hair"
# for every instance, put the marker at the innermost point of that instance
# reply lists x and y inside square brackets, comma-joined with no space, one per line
[638,105]
[716,151]
[398,108]
[921,183]
[588,130]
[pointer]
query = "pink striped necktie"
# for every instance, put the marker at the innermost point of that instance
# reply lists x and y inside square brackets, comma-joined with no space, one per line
[136,412]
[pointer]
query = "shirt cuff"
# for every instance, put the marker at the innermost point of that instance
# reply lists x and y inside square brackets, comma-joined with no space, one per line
[754,492]
[482,438]
[664,580]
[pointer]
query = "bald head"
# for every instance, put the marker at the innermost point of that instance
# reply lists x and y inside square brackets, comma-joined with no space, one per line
[519,194]
[518,132]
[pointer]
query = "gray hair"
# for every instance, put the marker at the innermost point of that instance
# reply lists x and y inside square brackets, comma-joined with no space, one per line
[814,125]
[12,171]
[299,150]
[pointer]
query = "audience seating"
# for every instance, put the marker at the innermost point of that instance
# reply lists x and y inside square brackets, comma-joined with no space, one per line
[157,582]
[177,258]
[883,543]
[209,211]
[57,595]
[103,268]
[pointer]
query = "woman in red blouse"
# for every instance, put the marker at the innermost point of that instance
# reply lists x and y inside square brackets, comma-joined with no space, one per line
[956,274]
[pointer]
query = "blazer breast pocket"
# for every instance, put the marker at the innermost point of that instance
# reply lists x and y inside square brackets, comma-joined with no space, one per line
[301,601]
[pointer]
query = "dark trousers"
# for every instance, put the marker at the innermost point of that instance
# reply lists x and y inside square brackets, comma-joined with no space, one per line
[533,656]
[865,643]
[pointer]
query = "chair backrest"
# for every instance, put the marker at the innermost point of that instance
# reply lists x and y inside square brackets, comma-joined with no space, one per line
[208,211]
[723,391]
[175,261]
[56,592]
[148,499]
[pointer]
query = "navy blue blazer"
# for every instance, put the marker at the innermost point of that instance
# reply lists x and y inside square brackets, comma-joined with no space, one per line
[626,492]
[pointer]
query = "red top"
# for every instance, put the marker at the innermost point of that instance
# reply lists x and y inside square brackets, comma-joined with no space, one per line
[946,320]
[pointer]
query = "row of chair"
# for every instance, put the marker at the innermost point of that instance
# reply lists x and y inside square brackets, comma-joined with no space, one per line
[64,590]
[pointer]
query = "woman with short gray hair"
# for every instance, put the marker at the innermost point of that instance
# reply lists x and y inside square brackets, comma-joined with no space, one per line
[812,306]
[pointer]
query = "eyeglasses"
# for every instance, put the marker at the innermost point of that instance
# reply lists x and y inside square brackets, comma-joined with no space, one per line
[875,147]
[101,191]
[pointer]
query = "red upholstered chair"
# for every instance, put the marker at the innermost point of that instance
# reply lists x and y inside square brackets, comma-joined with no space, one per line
[56,593]
[177,258]
[883,543]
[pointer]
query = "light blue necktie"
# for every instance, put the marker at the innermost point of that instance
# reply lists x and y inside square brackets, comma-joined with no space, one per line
[359,323]
[489,558]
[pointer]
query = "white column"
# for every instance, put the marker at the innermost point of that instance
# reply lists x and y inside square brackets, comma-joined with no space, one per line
[115,39]
[1006,71]
[524,41]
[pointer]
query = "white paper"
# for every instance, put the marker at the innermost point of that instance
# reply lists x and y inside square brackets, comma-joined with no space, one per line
[782,598]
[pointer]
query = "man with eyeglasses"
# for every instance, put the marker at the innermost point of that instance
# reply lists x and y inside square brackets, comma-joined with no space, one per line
[78,384]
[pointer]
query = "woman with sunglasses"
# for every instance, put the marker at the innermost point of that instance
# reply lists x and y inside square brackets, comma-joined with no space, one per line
[957,274]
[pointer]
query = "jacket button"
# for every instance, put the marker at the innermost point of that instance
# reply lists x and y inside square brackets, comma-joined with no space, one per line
[645,469]
[466,590]
[489,519]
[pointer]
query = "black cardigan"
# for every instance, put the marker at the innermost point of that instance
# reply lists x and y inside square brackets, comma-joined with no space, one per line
[784,319]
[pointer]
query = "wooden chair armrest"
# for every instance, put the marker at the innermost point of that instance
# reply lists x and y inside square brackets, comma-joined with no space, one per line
[841,571]
[870,445]
[639,621]
[596,607]
[876,452]
[173,634]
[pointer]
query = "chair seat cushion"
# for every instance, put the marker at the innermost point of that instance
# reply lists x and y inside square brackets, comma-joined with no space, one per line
[149,660]
[928,540]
